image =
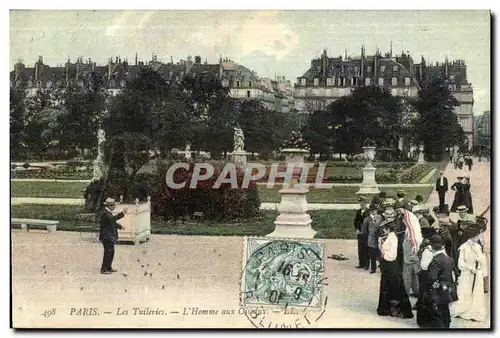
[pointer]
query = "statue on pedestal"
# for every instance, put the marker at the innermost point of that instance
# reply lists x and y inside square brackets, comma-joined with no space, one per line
[239,140]
[99,166]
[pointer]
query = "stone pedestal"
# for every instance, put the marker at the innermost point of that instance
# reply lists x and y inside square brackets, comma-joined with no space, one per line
[368,186]
[240,158]
[293,220]
[136,222]
[421,159]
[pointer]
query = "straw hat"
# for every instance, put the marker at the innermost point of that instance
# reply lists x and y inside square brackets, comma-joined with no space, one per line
[462,208]
[110,201]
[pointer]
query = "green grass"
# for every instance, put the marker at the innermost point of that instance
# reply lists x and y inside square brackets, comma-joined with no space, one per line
[328,223]
[338,194]
[47,189]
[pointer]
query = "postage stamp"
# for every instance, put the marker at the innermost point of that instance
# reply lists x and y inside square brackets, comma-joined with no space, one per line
[238,169]
[282,273]
[282,279]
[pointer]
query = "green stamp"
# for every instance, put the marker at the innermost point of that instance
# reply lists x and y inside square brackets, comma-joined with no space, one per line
[283,272]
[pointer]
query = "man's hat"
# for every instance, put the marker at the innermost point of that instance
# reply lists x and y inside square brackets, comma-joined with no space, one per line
[414,203]
[466,176]
[109,201]
[373,207]
[400,192]
[388,201]
[382,194]
[441,172]
[389,213]
[418,209]
[437,241]
[462,208]
[362,199]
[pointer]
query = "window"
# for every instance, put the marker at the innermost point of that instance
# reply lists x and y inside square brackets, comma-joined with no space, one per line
[407,81]
[382,69]
[369,69]
[249,84]
[316,82]
[351,81]
[303,81]
[339,81]
[329,81]
[248,93]
[367,81]
[237,83]
[395,68]
[394,81]
[122,83]
[380,81]
[355,81]
[225,83]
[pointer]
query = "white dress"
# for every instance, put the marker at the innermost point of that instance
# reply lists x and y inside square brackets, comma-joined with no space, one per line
[471,304]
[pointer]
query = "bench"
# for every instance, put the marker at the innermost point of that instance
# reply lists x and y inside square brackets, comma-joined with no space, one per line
[26,223]
[198,215]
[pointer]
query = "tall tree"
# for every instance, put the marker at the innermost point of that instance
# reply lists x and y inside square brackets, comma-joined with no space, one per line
[17,111]
[437,126]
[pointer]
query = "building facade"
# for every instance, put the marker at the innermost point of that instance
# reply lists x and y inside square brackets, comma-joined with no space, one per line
[482,129]
[242,83]
[330,78]
[455,72]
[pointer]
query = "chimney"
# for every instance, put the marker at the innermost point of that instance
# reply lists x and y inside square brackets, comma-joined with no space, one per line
[77,68]
[136,58]
[362,62]
[446,67]
[110,67]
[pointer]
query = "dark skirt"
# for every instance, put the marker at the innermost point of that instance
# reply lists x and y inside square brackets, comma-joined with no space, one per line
[430,314]
[393,300]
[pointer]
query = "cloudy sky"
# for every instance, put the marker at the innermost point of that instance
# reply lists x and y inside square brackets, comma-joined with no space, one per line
[269,42]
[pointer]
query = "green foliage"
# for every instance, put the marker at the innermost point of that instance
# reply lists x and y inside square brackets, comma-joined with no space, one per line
[437,126]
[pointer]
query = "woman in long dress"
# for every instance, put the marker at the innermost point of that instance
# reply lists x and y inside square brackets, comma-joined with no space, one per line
[471,304]
[393,300]
[459,187]
[467,196]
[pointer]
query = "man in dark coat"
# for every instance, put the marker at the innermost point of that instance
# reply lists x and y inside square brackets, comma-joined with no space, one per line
[370,230]
[440,282]
[109,234]
[441,188]
[360,216]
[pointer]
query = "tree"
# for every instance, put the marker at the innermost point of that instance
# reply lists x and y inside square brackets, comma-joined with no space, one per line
[264,129]
[17,111]
[317,132]
[82,109]
[437,126]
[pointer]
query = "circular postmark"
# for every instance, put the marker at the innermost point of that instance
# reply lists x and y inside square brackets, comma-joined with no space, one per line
[283,282]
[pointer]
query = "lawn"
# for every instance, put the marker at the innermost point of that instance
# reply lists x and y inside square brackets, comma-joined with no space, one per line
[328,223]
[58,189]
[337,194]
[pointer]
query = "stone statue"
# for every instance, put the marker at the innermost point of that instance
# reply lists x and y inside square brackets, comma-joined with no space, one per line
[99,166]
[239,139]
[188,151]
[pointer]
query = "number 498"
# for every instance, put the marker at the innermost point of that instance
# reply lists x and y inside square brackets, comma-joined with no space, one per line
[49,313]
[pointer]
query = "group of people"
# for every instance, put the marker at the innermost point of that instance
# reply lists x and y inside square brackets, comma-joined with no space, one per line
[461,160]
[433,259]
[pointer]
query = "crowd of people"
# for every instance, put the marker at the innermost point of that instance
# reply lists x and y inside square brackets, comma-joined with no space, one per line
[424,255]
[462,161]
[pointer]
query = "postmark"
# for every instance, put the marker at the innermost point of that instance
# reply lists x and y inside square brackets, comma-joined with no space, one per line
[283,281]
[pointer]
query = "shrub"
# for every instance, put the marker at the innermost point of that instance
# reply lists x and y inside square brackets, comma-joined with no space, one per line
[26,165]
[224,203]
[414,173]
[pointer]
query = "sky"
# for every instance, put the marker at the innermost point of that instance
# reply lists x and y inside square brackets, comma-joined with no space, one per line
[272,43]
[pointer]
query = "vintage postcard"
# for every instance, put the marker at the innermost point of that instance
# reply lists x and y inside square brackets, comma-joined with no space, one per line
[250,169]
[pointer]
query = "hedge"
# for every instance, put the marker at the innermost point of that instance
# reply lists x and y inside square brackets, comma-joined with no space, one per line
[224,203]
